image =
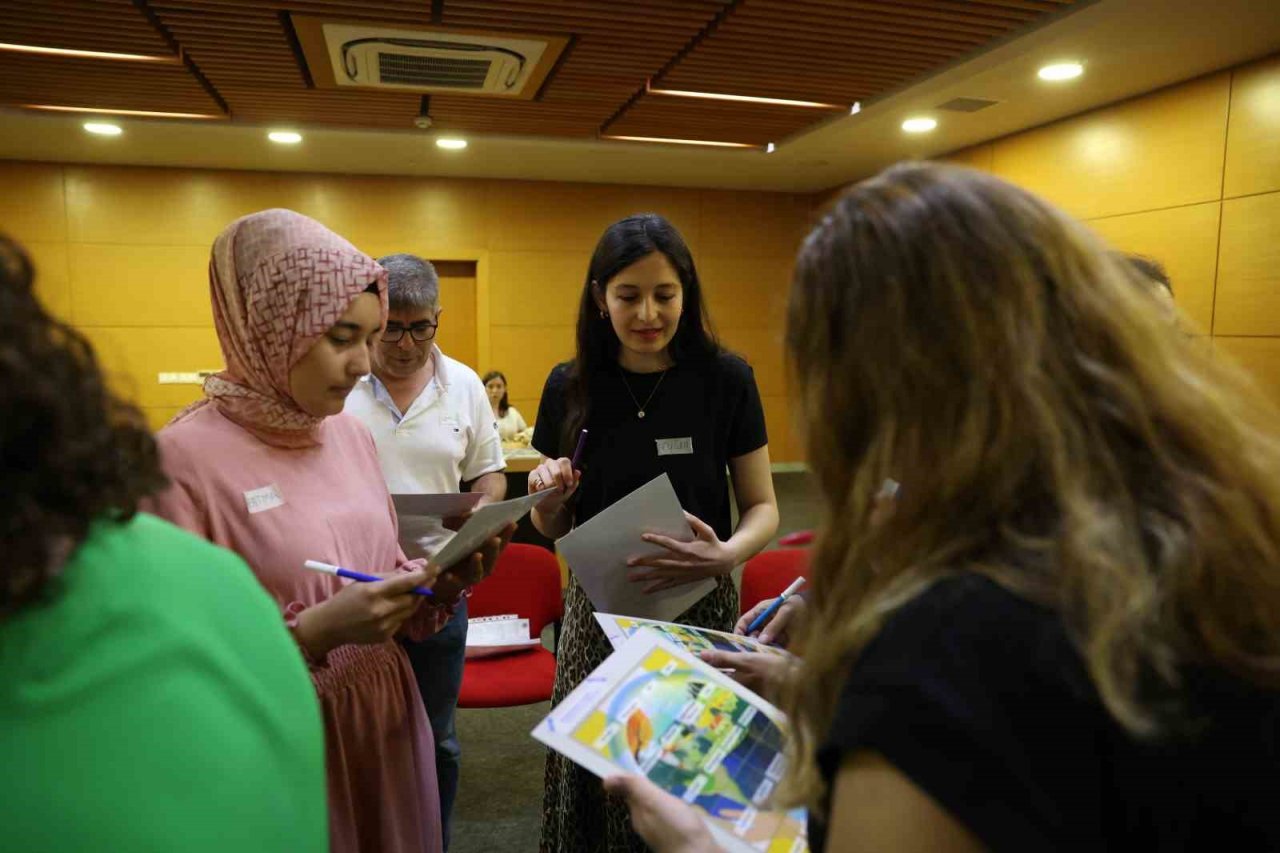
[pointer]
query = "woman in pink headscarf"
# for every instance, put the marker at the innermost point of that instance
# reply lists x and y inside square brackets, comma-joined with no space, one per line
[268,467]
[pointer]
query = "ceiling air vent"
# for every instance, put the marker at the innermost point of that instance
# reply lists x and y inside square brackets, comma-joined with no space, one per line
[967,105]
[371,56]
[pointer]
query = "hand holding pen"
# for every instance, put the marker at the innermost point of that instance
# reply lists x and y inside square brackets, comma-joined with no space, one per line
[559,478]
[367,612]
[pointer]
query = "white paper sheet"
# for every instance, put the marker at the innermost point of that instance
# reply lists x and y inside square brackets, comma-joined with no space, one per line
[436,506]
[598,551]
[655,710]
[487,521]
[487,636]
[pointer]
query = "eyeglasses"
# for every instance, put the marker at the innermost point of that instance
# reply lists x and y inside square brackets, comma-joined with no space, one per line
[420,332]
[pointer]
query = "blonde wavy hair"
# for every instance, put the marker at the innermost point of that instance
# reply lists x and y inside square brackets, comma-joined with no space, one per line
[1051,431]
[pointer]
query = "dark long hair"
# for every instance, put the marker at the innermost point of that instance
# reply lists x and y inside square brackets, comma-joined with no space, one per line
[624,243]
[503,404]
[70,451]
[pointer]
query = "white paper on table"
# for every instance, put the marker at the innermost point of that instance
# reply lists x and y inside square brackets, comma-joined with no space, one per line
[436,506]
[489,636]
[620,629]
[485,523]
[655,710]
[598,551]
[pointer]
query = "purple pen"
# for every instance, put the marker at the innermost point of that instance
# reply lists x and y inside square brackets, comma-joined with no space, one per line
[577,451]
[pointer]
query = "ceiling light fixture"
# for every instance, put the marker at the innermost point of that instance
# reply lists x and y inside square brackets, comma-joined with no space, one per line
[85,54]
[770,148]
[450,143]
[746,99]
[285,137]
[919,124]
[665,141]
[103,128]
[856,108]
[53,108]
[1059,71]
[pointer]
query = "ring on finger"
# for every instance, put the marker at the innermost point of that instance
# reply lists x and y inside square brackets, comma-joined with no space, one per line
[537,481]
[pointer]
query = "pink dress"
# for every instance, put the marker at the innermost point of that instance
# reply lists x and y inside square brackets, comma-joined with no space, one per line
[277,507]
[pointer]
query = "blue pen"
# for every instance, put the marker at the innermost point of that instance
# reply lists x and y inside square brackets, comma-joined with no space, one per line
[316,565]
[760,621]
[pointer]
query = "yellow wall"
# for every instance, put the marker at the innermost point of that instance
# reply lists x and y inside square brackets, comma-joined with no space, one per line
[122,253]
[1190,176]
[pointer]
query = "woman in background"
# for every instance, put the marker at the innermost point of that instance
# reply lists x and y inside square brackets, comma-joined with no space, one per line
[268,466]
[658,395]
[507,417]
[150,698]
[1067,633]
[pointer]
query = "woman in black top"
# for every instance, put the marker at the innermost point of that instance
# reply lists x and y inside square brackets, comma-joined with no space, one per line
[1067,633]
[657,394]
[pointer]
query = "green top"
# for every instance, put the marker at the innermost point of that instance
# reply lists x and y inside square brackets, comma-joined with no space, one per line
[157,703]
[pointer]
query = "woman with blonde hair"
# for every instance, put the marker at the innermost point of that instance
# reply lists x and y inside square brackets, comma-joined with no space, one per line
[1067,633]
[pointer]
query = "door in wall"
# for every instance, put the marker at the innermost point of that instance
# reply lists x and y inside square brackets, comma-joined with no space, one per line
[457,333]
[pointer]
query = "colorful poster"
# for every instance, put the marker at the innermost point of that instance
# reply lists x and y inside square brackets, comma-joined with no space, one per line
[653,708]
[619,629]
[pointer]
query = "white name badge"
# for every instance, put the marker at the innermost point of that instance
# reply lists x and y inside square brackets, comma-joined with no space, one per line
[265,498]
[674,446]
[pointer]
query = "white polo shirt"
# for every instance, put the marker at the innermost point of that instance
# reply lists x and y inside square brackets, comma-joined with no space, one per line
[446,437]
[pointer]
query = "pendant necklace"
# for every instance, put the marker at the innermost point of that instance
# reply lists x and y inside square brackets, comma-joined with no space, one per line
[640,408]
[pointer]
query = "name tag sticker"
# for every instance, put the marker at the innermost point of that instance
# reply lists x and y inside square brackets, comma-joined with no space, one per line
[675,446]
[265,498]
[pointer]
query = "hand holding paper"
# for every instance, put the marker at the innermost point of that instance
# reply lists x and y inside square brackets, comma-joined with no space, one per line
[599,552]
[682,562]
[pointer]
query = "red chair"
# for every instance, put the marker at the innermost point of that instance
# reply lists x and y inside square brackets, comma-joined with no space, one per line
[800,537]
[768,573]
[526,581]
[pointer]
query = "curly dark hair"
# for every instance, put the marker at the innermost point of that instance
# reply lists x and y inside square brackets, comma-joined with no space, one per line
[70,451]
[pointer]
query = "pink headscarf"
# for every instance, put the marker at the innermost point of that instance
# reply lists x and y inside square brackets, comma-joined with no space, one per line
[279,280]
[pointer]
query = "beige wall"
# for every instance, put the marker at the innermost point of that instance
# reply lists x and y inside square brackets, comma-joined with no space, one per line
[1190,176]
[122,253]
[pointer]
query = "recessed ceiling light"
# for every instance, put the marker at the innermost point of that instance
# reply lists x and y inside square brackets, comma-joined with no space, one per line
[53,108]
[103,128]
[450,143]
[919,124]
[1061,71]
[770,148]
[666,141]
[85,54]
[745,99]
[856,108]
[285,137]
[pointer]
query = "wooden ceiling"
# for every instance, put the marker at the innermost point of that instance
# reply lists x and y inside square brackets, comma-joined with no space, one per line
[238,59]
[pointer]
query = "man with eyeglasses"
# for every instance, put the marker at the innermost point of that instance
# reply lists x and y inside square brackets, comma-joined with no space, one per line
[434,428]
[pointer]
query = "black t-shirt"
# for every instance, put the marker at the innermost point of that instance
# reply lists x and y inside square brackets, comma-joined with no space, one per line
[701,415]
[980,698]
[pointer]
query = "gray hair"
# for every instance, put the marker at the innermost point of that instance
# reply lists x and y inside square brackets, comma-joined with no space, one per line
[412,283]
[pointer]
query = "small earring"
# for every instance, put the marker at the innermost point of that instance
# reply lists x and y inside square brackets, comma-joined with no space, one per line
[604,315]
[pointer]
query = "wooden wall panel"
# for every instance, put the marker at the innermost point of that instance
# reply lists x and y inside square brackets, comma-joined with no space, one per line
[1249,267]
[52,284]
[975,157]
[1185,241]
[164,206]
[526,355]
[754,224]
[132,356]
[1153,152]
[536,288]
[1260,357]
[31,206]
[744,292]
[1253,141]
[129,285]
